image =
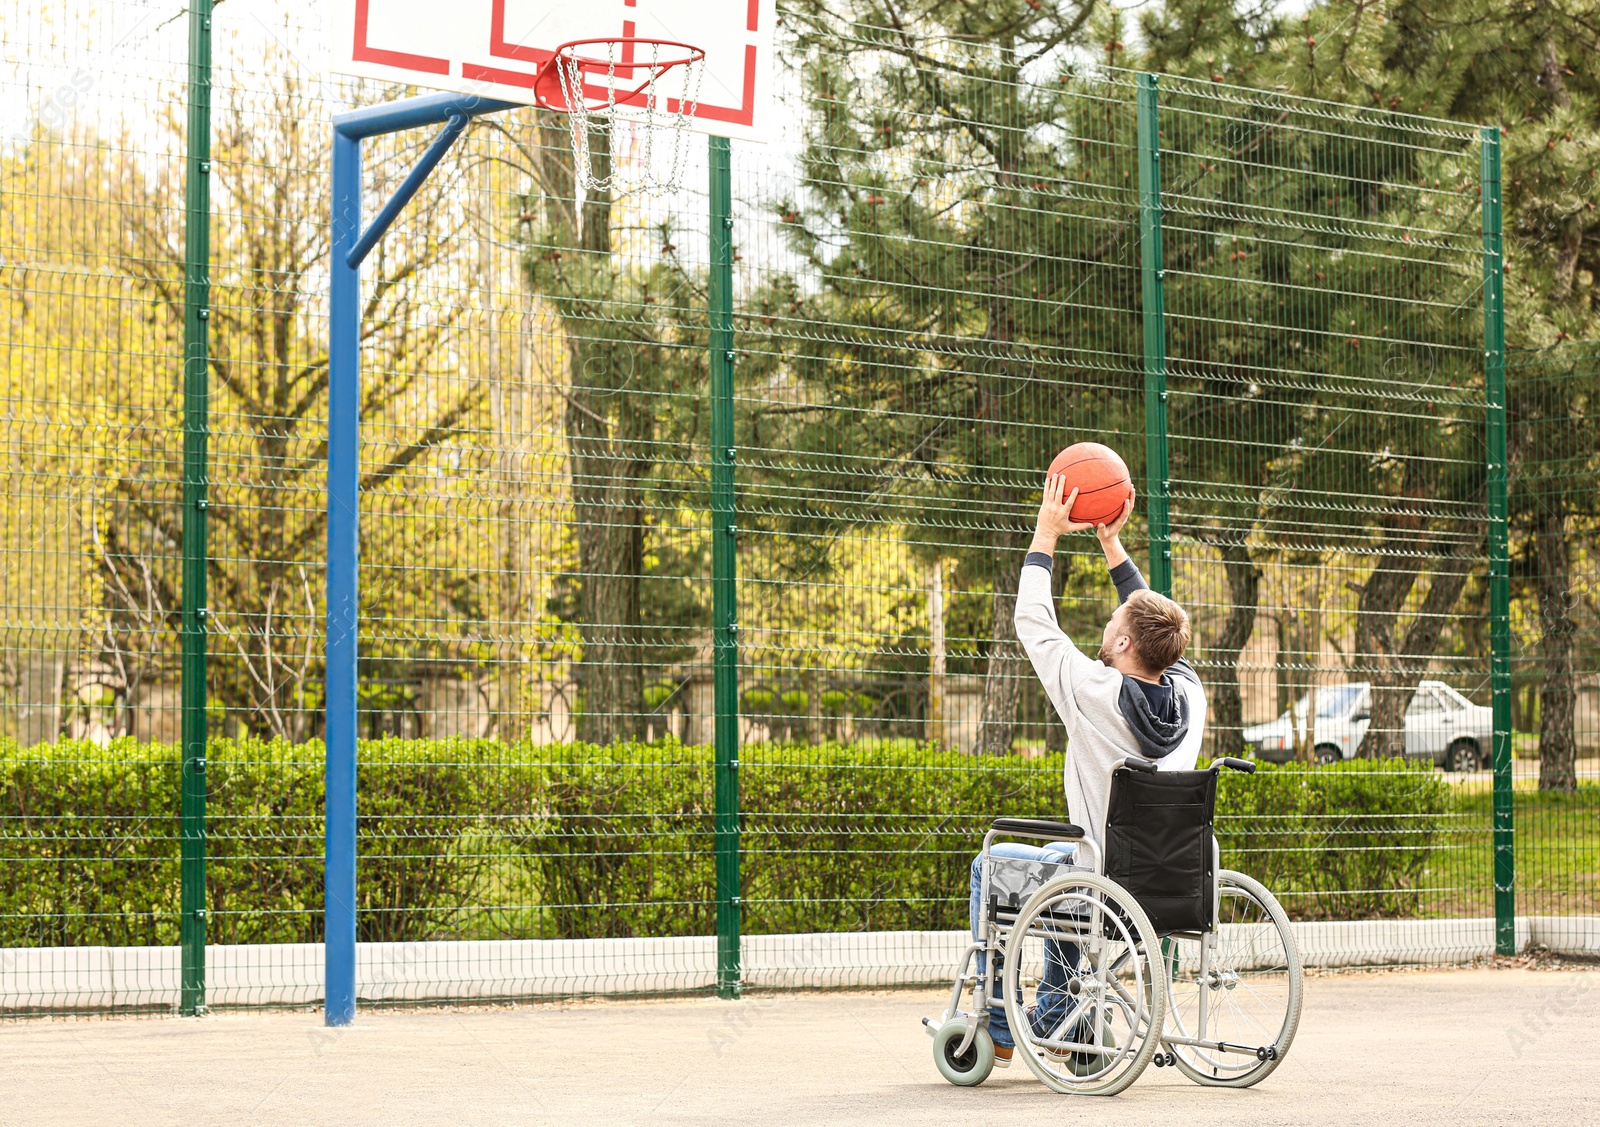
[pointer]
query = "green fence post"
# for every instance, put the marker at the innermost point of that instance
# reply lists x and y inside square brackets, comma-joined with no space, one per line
[1152,275]
[724,590]
[196,362]
[1494,381]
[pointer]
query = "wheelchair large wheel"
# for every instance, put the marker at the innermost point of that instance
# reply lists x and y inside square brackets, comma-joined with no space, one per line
[1251,988]
[1083,986]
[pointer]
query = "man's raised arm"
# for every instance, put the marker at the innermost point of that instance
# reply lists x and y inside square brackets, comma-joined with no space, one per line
[1058,662]
[1124,572]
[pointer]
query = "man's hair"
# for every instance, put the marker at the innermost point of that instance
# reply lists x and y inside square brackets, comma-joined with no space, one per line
[1159,629]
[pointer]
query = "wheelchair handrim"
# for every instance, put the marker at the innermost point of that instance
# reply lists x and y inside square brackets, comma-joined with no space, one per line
[1100,902]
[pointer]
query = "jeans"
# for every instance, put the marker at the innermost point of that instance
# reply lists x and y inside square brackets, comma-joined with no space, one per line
[1061,959]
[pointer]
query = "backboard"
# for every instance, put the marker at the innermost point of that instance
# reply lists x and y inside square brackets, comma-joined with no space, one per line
[498,47]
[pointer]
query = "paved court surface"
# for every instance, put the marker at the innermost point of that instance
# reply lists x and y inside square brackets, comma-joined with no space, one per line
[1415,1049]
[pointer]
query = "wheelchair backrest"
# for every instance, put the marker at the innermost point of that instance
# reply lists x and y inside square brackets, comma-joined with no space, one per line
[1158,844]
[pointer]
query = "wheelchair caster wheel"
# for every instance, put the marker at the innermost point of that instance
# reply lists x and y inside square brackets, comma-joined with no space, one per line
[969,1068]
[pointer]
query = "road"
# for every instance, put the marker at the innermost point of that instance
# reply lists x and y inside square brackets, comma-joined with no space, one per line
[1446,1048]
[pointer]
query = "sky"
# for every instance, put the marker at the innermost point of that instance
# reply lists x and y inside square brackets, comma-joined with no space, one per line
[60,62]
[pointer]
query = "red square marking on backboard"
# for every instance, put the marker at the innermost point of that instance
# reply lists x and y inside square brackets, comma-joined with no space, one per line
[475,73]
[743,114]
[362,53]
[500,49]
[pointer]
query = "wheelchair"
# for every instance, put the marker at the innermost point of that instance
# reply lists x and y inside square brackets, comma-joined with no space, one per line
[1150,954]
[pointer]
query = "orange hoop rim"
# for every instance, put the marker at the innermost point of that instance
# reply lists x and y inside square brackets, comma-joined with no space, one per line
[551,95]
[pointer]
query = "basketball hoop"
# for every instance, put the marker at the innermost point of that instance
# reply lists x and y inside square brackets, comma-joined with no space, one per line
[617,87]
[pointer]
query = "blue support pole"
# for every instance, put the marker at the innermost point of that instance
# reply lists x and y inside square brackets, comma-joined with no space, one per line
[408,188]
[349,246]
[414,113]
[344,444]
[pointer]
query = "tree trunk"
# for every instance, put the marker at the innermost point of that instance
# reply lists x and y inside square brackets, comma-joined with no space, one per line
[1403,663]
[608,523]
[1405,538]
[1558,749]
[1393,685]
[1227,709]
[1283,667]
[607,433]
[1002,681]
[936,654]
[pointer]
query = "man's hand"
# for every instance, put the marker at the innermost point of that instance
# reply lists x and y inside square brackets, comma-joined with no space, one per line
[1055,510]
[1109,535]
[1110,530]
[1055,515]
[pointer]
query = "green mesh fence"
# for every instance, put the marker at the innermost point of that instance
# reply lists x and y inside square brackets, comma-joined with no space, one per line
[90,190]
[1556,662]
[1326,429]
[941,276]
[945,298]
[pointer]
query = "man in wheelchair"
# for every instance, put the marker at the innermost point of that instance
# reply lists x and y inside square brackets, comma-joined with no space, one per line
[1136,697]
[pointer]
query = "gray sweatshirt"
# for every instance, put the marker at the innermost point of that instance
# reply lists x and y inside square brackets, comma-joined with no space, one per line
[1107,715]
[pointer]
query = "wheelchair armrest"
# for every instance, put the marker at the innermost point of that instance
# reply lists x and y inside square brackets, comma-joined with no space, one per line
[1039,828]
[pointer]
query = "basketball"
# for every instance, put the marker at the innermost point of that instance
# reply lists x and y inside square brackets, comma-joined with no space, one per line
[1101,478]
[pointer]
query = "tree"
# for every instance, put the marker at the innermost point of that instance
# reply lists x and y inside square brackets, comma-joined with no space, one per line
[269,377]
[634,341]
[1519,66]
[956,321]
[73,327]
[1553,393]
[423,387]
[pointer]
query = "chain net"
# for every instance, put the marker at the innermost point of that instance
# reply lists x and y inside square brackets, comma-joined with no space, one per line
[632,140]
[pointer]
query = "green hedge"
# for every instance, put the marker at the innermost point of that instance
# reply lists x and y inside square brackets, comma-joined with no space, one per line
[476,839]
[88,846]
[1355,840]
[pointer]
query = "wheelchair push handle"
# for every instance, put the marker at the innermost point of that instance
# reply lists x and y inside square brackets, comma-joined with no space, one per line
[1137,763]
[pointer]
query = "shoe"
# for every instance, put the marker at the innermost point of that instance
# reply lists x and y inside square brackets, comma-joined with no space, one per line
[1038,1032]
[1087,1064]
[1002,1055]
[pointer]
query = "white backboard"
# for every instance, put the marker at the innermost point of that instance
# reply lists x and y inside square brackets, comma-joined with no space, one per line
[497,47]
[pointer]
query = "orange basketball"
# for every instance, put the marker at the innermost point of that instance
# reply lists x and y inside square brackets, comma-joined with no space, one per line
[1101,478]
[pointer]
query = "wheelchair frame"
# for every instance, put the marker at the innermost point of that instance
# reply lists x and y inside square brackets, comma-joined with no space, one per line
[1119,903]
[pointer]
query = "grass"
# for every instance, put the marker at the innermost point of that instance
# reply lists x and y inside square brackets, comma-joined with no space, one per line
[1557,849]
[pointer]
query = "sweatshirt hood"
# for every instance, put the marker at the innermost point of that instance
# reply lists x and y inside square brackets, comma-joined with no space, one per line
[1156,737]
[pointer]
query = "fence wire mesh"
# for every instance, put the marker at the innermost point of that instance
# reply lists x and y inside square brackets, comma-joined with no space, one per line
[1327,421]
[1556,627]
[938,284]
[944,296]
[89,184]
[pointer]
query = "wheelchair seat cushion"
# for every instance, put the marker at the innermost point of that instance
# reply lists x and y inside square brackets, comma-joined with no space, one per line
[1158,844]
[1012,880]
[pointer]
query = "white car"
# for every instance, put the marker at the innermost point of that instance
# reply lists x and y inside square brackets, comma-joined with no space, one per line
[1440,725]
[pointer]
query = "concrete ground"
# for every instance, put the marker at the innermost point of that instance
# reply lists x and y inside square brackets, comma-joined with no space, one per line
[1450,1048]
